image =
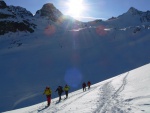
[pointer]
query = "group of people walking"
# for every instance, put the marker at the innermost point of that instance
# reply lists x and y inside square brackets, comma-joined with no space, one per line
[60,90]
[84,85]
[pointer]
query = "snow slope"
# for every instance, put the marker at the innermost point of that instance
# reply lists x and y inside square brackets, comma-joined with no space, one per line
[69,52]
[53,56]
[126,93]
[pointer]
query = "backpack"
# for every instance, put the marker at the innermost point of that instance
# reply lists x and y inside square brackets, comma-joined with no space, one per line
[61,89]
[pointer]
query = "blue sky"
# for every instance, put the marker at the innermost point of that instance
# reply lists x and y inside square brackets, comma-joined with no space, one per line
[93,8]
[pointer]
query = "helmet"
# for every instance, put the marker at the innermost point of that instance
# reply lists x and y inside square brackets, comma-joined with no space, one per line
[47,87]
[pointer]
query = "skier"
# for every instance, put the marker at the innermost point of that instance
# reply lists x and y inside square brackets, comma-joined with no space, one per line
[48,93]
[88,84]
[84,86]
[60,91]
[66,89]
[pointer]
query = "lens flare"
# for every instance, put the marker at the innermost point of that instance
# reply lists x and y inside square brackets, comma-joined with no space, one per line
[101,30]
[49,30]
[73,77]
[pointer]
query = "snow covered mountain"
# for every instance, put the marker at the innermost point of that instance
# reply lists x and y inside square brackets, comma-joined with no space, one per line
[13,19]
[16,18]
[126,93]
[131,18]
[41,50]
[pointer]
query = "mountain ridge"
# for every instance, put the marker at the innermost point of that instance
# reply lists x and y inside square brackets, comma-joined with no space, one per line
[50,12]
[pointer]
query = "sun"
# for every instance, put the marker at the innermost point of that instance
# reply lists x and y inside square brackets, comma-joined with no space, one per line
[75,8]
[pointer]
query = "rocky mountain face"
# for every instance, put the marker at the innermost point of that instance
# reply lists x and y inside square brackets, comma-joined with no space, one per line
[48,10]
[21,12]
[13,19]
[134,11]
[143,16]
[2,5]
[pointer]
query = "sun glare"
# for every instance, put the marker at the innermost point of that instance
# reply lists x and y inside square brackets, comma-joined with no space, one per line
[76,8]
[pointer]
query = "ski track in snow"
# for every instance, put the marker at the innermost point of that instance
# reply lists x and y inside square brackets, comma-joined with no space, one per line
[64,103]
[106,103]
[137,98]
[109,97]
[109,102]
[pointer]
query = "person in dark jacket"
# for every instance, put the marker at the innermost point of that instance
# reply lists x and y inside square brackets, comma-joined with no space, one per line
[88,84]
[60,91]
[84,86]
[48,93]
[66,89]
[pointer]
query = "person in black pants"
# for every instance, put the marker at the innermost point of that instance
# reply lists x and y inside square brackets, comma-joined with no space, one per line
[84,86]
[66,89]
[60,91]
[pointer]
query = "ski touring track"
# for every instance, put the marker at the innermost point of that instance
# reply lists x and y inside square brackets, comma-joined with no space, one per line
[71,99]
[53,108]
[108,101]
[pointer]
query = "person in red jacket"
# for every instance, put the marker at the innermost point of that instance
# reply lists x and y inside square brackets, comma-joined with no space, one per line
[88,84]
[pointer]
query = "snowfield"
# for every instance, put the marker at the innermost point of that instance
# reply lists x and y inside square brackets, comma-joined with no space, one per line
[125,93]
[72,52]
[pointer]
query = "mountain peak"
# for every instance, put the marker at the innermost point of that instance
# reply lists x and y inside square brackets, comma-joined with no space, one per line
[48,5]
[2,4]
[50,11]
[133,11]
